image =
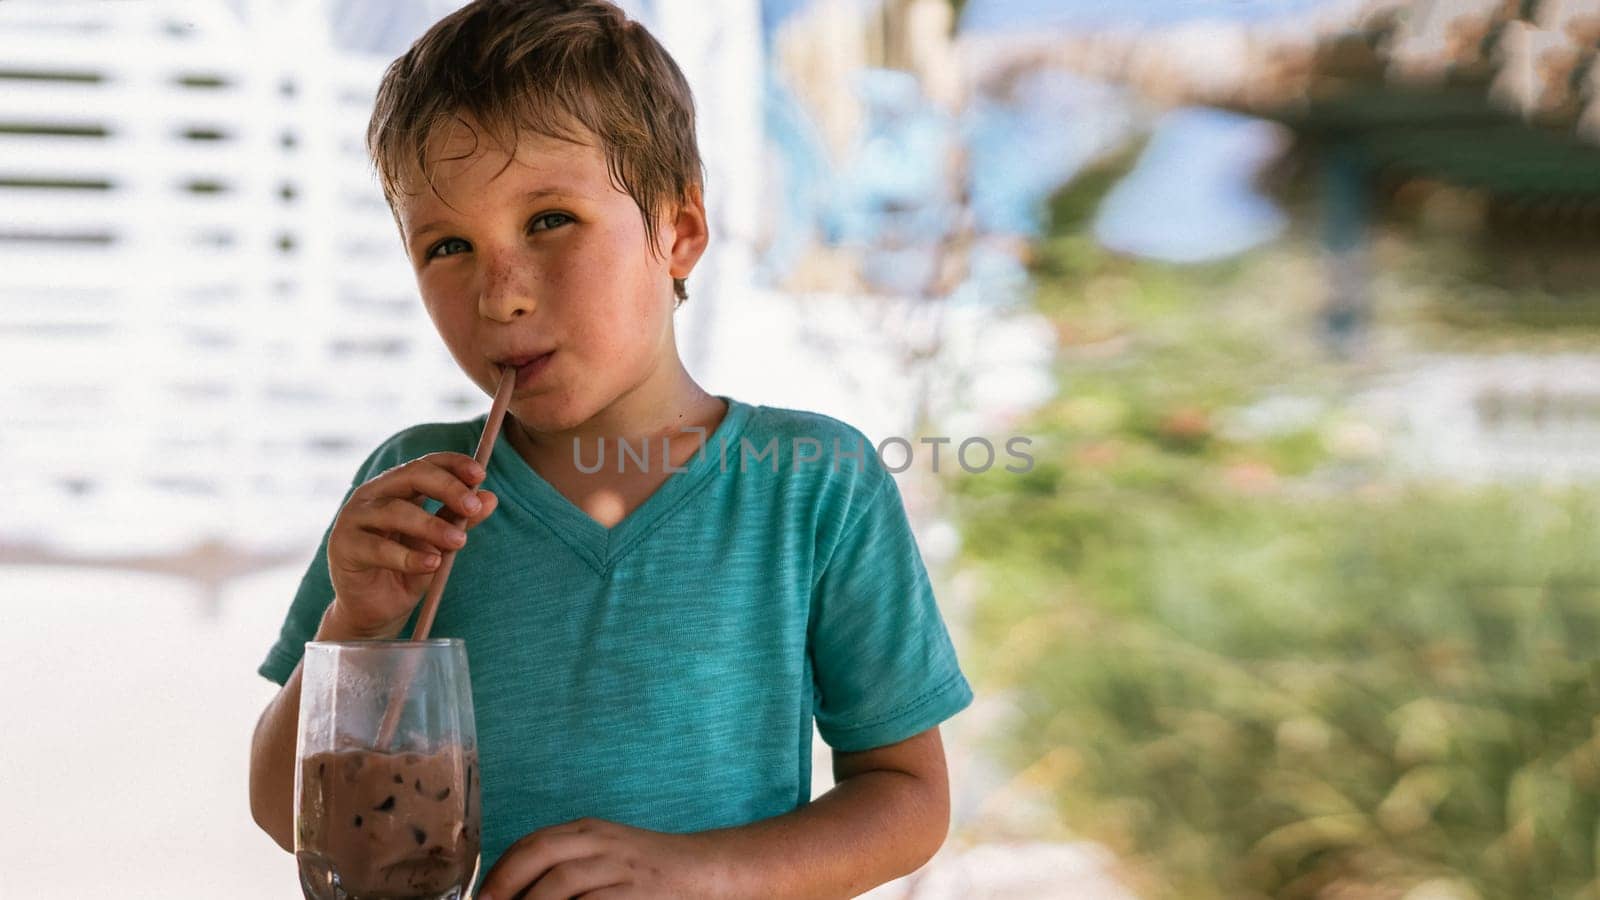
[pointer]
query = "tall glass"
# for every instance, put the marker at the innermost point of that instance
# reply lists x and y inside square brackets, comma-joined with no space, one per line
[400,821]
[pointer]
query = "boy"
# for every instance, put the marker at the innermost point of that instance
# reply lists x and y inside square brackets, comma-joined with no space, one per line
[650,639]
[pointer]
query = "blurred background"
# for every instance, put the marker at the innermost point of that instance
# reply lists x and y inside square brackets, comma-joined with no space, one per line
[1296,300]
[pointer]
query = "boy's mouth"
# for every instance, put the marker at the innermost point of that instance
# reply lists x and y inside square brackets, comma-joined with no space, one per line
[521,360]
[528,366]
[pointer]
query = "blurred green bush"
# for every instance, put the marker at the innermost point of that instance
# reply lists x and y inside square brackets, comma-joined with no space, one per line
[1258,662]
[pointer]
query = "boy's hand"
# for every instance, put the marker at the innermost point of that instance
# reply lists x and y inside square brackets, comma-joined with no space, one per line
[600,860]
[384,547]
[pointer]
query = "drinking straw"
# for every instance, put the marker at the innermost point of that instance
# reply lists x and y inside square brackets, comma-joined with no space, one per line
[430,601]
[491,430]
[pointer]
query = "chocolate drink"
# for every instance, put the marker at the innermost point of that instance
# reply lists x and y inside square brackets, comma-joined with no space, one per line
[388,826]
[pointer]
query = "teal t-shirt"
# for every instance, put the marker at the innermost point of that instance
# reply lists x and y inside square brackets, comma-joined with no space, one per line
[665,672]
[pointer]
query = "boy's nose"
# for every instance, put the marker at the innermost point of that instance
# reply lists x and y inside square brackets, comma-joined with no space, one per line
[505,306]
[506,295]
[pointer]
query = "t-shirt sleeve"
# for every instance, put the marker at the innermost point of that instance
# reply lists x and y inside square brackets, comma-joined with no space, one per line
[313,596]
[884,666]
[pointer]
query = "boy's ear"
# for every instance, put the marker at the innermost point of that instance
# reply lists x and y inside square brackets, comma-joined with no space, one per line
[689,233]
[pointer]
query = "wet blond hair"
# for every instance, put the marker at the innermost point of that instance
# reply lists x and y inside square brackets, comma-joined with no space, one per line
[575,70]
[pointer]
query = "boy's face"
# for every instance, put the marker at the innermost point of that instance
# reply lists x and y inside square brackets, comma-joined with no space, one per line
[546,255]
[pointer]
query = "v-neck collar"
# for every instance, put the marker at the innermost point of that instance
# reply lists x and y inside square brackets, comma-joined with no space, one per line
[600,547]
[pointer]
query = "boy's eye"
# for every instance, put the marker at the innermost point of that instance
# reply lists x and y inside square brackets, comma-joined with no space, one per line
[547,216]
[443,244]
[439,249]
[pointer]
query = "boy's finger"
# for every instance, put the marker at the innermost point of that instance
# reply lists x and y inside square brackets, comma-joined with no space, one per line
[530,857]
[413,543]
[577,877]
[465,467]
[375,551]
[425,479]
[490,503]
[439,532]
